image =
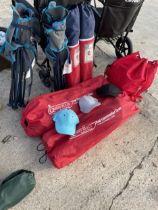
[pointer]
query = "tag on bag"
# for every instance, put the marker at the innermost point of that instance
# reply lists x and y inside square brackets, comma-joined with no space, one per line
[89,53]
[28,74]
[67,67]
[77,57]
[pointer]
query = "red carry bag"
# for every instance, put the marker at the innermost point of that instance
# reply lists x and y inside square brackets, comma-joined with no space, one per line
[87,28]
[93,127]
[73,34]
[86,58]
[132,74]
[36,117]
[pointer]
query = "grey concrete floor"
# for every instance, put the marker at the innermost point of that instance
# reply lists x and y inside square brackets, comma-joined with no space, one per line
[120,173]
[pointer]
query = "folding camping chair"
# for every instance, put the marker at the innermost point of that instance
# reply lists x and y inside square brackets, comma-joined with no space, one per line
[20,48]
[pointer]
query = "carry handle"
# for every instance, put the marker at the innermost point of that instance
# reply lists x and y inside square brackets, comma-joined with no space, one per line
[40,147]
[43,158]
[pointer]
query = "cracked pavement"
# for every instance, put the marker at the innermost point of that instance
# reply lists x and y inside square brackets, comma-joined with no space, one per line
[120,173]
[132,173]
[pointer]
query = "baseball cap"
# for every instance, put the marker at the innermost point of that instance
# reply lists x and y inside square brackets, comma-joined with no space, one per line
[108,90]
[65,121]
[88,103]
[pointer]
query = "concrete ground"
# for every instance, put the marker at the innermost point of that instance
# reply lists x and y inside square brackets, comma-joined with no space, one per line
[120,173]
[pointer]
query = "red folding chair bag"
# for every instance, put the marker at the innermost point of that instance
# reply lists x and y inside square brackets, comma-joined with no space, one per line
[93,127]
[132,74]
[36,117]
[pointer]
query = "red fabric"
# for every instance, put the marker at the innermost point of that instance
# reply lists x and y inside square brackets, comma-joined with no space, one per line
[73,78]
[35,117]
[132,74]
[149,77]
[93,127]
[86,58]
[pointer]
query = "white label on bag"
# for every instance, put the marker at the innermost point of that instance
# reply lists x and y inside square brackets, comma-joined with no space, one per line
[28,74]
[64,105]
[89,53]
[76,57]
[90,127]
[67,68]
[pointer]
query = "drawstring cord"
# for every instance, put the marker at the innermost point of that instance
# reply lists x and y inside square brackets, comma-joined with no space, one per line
[43,158]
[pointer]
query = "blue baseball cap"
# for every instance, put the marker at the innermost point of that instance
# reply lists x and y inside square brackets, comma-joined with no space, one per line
[65,121]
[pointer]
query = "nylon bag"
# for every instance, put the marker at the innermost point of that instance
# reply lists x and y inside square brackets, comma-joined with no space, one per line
[73,34]
[87,28]
[132,74]
[93,127]
[15,187]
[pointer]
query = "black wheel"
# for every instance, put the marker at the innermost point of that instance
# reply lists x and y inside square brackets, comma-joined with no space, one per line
[123,47]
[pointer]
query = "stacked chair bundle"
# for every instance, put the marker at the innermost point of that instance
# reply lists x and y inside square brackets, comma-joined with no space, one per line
[137,74]
[64,30]
[93,127]
[68,42]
